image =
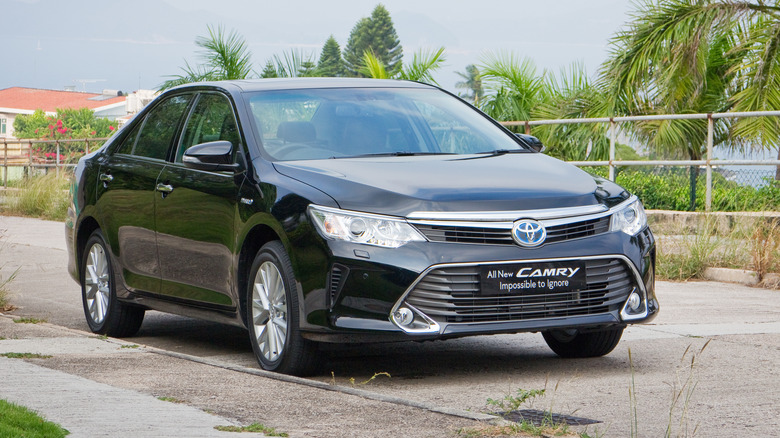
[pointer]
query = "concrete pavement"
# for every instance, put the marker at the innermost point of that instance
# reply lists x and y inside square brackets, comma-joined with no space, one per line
[211,368]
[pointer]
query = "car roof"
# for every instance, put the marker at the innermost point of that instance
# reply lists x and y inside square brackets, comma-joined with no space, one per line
[249,85]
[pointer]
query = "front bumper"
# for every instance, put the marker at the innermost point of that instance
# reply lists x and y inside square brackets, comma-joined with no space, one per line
[439,283]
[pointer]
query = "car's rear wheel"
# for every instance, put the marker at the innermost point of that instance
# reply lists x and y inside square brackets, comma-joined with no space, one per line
[572,343]
[274,314]
[105,314]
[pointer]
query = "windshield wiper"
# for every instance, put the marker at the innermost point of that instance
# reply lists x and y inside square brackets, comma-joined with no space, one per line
[503,152]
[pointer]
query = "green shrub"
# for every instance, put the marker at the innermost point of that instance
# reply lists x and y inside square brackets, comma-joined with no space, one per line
[669,189]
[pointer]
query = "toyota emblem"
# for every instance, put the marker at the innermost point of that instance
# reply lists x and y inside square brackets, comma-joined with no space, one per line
[528,232]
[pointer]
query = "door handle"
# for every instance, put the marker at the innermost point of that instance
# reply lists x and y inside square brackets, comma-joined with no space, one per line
[164,188]
[106,177]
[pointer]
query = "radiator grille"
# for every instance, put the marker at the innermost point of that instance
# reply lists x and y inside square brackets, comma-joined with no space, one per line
[503,236]
[452,295]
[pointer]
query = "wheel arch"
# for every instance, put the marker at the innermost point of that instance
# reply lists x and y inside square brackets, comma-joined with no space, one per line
[258,236]
[87,226]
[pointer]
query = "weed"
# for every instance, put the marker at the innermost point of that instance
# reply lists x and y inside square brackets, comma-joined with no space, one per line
[130,346]
[682,392]
[5,306]
[28,320]
[764,245]
[43,196]
[170,399]
[25,355]
[523,429]
[254,427]
[512,403]
[352,379]
[101,337]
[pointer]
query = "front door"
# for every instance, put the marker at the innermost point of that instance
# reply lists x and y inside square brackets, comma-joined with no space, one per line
[195,214]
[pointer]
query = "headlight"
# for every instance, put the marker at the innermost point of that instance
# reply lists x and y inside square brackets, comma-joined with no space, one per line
[366,228]
[629,219]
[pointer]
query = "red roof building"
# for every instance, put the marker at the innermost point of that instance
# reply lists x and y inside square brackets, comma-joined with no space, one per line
[19,100]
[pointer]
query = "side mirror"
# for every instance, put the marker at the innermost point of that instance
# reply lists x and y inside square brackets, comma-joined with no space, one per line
[213,156]
[531,141]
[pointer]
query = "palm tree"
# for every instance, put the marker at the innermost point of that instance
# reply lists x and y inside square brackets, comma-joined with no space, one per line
[516,90]
[680,56]
[424,63]
[472,82]
[225,56]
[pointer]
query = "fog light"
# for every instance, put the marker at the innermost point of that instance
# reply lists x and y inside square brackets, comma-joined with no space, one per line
[403,316]
[634,301]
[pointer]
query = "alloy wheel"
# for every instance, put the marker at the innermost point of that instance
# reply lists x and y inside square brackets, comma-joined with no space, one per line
[96,283]
[269,311]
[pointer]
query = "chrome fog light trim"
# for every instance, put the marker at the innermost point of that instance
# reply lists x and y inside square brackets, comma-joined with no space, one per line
[411,320]
[635,307]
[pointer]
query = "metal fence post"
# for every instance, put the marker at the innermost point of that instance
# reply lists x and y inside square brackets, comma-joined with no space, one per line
[57,160]
[5,162]
[611,149]
[29,153]
[708,193]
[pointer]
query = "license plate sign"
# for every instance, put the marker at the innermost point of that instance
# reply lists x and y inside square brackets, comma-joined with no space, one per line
[515,279]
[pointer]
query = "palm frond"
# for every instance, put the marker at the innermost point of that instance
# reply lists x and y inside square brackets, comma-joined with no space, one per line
[424,62]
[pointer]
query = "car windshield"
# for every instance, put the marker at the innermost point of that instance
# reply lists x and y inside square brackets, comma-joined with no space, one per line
[358,122]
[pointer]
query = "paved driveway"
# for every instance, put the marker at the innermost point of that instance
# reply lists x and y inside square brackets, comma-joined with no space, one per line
[731,388]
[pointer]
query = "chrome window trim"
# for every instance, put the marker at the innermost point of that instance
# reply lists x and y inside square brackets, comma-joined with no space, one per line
[439,328]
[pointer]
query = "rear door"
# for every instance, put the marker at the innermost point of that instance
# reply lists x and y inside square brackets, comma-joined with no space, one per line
[196,216]
[127,190]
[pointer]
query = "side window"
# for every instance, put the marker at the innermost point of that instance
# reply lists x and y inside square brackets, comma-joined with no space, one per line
[126,147]
[212,119]
[159,128]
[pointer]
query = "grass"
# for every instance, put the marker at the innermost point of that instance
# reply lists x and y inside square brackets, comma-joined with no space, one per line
[130,346]
[686,251]
[25,356]
[42,196]
[26,320]
[254,427]
[18,421]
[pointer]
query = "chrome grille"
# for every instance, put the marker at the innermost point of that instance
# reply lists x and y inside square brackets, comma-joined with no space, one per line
[452,295]
[503,236]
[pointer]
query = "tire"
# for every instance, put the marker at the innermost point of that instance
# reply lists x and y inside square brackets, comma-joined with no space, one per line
[572,343]
[105,314]
[273,315]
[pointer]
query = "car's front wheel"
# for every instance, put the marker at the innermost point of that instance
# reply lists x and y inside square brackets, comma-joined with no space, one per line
[105,314]
[572,343]
[274,316]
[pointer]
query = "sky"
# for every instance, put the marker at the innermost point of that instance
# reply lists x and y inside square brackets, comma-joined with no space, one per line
[94,45]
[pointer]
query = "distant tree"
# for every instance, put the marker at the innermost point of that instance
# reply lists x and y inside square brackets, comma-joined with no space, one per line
[330,64]
[307,69]
[357,44]
[378,36]
[269,71]
[472,82]
[225,56]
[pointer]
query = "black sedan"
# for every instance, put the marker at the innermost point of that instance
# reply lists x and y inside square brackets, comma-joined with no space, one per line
[351,210]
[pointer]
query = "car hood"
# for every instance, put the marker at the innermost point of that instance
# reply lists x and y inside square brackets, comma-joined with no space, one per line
[401,185]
